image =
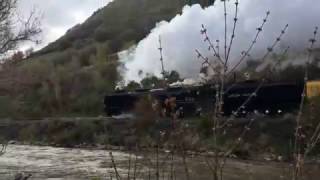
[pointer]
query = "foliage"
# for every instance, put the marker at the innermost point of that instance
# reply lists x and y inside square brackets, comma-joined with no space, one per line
[145,115]
[151,81]
[64,83]
[172,77]
[204,126]
[132,85]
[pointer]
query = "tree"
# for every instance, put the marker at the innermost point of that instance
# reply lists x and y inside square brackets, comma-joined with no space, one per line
[13,32]
[203,3]
[14,59]
[132,85]
[150,81]
[10,37]
[172,77]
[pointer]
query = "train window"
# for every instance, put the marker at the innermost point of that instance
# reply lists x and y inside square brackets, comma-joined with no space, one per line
[189,99]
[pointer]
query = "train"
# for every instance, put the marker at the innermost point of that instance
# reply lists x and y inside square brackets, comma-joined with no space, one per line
[240,99]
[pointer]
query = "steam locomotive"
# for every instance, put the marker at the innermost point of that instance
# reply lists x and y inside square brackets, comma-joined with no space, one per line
[242,98]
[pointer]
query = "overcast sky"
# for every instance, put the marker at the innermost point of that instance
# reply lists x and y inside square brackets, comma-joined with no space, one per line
[59,15]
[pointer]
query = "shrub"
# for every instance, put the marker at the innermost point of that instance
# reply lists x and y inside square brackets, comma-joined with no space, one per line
[101,34]
[204,126]
[146,117]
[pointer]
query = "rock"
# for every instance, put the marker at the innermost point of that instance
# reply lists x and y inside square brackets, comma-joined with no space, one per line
[22,176]
[233,156]
[12,142]
[267,159]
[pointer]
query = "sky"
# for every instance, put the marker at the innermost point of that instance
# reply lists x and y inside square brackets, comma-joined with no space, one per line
[58,15]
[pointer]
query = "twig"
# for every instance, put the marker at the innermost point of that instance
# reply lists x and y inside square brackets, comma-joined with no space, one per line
[157,163]
[129,168]
[297,145]
[252,95]
[185,165]
[171,165]
[225,31]
[211,46]
[135,167]
[276,42]
[235,20]
[247,52]
[316,135]
[114,166]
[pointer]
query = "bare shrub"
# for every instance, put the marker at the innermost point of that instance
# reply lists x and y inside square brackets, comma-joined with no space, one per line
[10,37]
[306,138]
[145,114]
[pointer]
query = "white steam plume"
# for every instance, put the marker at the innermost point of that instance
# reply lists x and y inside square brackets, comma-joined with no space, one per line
[181,36]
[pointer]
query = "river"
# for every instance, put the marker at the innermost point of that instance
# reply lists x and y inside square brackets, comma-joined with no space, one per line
[56,163]
[51,163]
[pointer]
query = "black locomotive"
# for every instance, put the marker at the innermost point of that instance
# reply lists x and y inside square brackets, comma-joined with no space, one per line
[241,98]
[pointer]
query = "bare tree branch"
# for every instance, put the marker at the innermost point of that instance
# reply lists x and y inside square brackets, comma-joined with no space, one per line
[246,53]
[13,33]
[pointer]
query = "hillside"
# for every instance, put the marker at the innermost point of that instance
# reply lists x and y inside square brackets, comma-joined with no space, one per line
[118,24]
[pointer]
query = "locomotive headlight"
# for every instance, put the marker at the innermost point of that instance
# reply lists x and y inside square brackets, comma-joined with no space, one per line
[279,111]
[267,111]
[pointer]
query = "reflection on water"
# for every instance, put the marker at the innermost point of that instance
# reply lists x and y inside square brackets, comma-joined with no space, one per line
[56,163]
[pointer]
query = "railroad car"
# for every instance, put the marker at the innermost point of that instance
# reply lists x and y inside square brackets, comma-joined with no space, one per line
[313,89]
[243,98]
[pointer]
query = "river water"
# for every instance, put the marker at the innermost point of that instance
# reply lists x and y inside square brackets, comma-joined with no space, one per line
[57,163]
[51,163]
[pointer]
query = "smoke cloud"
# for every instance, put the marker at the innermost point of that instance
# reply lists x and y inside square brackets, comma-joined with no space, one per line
[181,36]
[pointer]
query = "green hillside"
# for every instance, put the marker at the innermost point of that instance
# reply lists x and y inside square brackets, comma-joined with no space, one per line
[119,24]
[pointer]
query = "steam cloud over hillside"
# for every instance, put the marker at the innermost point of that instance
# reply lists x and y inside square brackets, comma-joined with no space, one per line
[181,36]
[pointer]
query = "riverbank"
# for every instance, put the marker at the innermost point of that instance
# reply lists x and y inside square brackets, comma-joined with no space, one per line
[270,139]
